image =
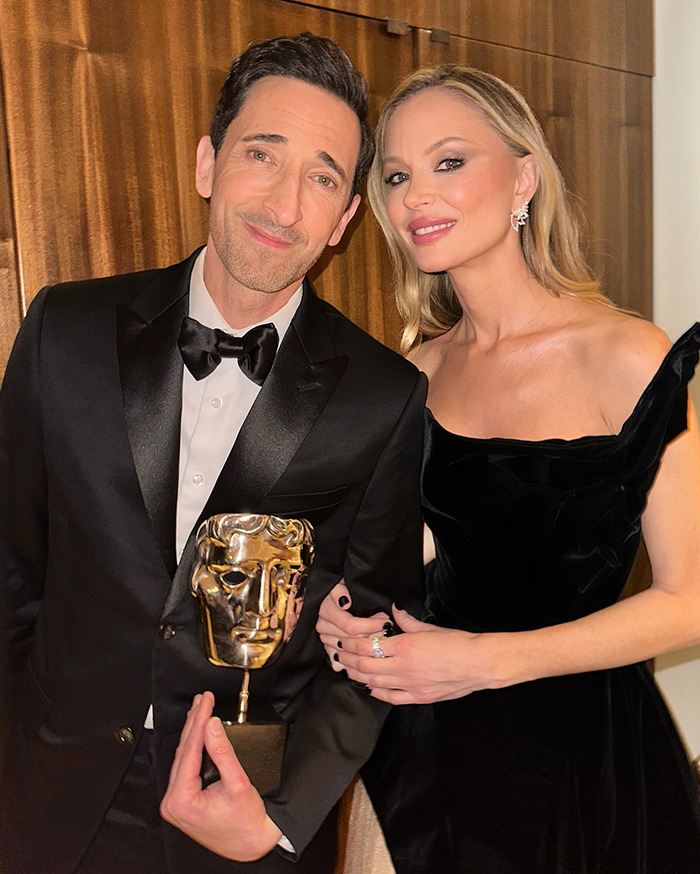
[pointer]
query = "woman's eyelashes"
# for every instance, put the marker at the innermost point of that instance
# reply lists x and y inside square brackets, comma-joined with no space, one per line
[447,165]
[444,165]
[395,178]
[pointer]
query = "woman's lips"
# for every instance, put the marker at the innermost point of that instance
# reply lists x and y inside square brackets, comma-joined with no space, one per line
[429,229]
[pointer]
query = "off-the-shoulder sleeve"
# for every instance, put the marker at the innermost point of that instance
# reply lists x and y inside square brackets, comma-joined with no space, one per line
[661,413]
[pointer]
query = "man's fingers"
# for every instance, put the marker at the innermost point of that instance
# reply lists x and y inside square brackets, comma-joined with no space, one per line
[175,768]
[229,816]
[188,756]
[224,755]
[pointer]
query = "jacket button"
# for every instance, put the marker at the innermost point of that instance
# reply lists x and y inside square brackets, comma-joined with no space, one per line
[124,735]
[167,631]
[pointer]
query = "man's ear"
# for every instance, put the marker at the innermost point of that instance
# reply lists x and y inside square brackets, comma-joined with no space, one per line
[204,170]
[337,234]
[528,179]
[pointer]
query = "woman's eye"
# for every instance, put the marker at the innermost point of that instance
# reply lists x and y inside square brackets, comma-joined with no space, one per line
[450,164]
[396,178]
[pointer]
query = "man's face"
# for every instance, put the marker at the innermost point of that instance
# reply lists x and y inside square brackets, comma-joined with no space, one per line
[279,186]
[250,592]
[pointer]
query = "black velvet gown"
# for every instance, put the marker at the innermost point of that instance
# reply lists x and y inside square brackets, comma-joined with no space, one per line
[580,774]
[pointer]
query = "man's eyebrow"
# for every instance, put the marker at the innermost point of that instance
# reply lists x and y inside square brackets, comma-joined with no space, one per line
[326,158]
[265,138]
[278,138]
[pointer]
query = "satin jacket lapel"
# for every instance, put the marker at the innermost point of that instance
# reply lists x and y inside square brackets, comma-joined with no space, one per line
[151,373]
[302,380]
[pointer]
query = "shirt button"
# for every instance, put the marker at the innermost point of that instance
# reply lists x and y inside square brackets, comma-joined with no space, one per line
[167,631]
[124,735]
[198,479]
[216,403]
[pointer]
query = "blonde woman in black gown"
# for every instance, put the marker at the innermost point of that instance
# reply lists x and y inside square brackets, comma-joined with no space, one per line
[530,737]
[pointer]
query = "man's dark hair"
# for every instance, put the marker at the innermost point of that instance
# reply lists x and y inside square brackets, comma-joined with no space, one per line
[309,58]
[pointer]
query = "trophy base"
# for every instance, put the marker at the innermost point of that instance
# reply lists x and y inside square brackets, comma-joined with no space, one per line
[260,750]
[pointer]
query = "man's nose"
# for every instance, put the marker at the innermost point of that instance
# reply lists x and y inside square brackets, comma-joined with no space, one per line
[282,202]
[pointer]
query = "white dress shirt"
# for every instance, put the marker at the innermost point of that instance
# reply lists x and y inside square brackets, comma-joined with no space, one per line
[213,408]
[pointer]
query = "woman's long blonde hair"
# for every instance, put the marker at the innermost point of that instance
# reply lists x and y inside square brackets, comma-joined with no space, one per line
[551,238]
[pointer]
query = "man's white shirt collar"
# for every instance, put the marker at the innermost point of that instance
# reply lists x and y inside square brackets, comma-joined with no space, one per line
[203,308]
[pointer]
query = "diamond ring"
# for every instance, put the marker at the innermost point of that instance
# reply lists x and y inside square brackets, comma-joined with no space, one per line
[377,649]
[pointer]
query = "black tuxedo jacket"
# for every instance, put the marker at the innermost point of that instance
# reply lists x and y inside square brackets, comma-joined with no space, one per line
[89,441]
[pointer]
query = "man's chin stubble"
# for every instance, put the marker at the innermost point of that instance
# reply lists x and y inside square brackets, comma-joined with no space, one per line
[256,280]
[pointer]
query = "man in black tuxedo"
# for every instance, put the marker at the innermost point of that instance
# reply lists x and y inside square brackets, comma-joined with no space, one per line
[112,451]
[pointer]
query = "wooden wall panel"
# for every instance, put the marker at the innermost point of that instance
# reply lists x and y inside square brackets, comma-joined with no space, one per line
[361,262]
[598,124]
[10,309]
[610,33]
[90,131]
[103,122]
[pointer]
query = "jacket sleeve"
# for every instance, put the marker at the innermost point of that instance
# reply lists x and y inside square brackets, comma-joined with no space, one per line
[339,727]
[23,486]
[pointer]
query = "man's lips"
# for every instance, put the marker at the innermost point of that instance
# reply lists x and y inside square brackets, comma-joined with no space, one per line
[267,239]
[425,230]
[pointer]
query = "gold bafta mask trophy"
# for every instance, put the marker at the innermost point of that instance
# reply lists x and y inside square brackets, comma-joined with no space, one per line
[249,579]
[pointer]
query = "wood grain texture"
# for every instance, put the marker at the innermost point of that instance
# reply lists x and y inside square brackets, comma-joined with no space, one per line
[609,33]
[357,277]
[598,124]
[91,129]
[10,307]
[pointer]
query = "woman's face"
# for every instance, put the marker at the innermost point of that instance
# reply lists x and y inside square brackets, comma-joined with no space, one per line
[450,182]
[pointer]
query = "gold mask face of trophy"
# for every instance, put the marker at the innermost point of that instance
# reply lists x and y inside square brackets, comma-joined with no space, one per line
[249,579]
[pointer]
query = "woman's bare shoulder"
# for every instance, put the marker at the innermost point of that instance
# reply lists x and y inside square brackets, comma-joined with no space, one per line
[630,346]
[428,354]
[623,352]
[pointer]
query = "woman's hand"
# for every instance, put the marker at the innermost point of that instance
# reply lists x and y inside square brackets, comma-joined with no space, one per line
[335,623]
[424,664]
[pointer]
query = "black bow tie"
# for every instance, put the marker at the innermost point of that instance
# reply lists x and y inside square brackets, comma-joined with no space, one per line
[203,348]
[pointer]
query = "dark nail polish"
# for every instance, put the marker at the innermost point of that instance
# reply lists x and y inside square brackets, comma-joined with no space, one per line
[368,690]
[343,601]
[398,605]
[340,644]
[388,626]
[336,657]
